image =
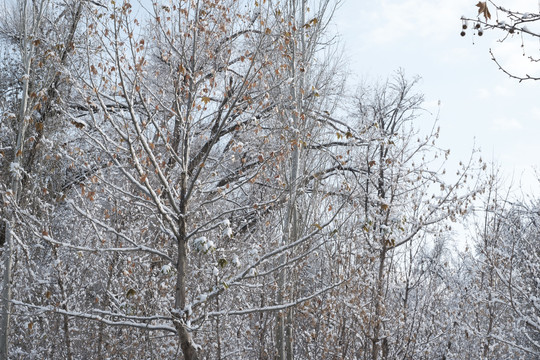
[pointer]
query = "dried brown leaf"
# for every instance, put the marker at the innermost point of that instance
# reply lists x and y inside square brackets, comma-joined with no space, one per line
[483,9]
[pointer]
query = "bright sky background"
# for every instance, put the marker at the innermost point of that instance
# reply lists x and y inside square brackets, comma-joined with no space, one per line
[480,105]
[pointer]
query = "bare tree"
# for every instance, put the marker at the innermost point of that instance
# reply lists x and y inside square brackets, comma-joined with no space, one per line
[501,307]
[403,207]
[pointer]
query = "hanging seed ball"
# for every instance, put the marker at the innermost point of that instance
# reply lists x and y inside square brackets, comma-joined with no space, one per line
[464,26]
[462,33]
[480,32]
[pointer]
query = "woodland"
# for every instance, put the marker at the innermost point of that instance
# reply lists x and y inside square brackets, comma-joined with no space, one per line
[198,179]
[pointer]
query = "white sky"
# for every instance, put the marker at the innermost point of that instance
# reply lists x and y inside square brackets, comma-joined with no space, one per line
[479,104]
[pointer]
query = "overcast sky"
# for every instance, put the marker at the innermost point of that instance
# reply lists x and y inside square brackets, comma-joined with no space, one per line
[479,103]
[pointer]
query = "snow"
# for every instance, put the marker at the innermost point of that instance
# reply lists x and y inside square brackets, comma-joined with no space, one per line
[166,269]
[16,169]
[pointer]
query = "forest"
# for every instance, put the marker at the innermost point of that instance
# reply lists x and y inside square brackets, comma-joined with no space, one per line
[199,179]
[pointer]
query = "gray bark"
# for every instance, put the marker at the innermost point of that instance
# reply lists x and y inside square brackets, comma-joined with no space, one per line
[6,294]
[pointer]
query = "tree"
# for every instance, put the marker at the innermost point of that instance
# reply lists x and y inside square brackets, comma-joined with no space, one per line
[503,297]
[183,135]
[398,208]
[481,315]
[406,205]
[33,45]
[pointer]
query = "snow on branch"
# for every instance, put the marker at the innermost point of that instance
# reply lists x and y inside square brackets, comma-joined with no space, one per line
[100,318]
[271,308]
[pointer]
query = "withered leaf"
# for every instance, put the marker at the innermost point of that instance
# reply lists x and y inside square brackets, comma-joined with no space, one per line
[78,125]
[483,9]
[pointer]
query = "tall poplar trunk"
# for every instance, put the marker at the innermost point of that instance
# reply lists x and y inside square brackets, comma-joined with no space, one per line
[284,330]
[27,53]
[379,286]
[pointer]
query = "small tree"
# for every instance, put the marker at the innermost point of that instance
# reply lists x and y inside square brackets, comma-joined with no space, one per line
[399,207]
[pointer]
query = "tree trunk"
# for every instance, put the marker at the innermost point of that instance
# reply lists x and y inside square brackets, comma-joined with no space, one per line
[289,350]
[285,319]
[186,341]
[6,293]
[378,306]
[2,234]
